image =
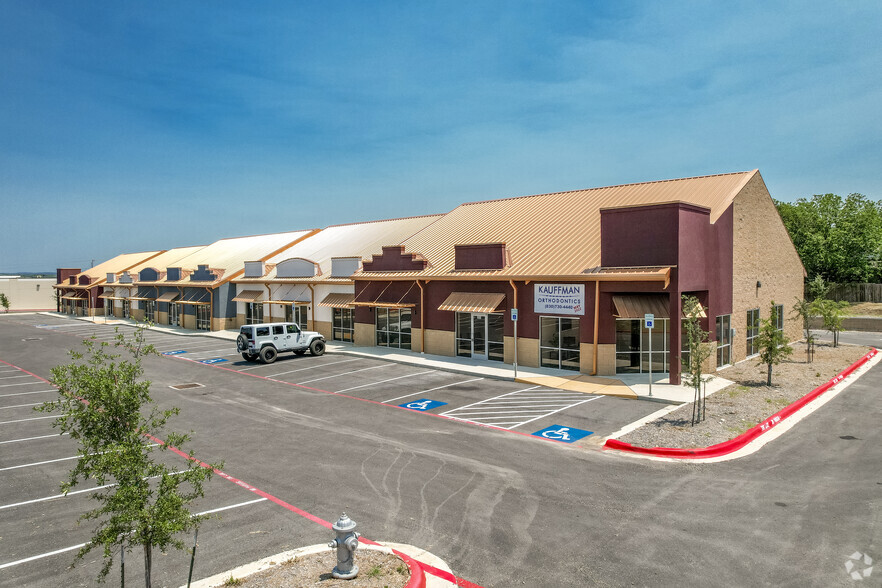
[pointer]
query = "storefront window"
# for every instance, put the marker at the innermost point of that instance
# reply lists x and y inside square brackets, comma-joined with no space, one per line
[149,310]
[480,335]
[393,327]
[126,308]
[559,342]
[203,317]
[253,313]
[174,314]
[633,342]
[343,324]
[724,340]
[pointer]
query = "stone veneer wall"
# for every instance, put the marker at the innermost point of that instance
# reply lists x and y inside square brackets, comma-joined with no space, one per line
[762,251]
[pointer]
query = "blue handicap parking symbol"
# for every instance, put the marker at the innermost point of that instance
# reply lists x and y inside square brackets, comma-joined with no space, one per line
[424,404]
[565,434]
[214,360]
[178,352]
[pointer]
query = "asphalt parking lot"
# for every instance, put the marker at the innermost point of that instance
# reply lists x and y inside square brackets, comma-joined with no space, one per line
[306,438]
[41,532]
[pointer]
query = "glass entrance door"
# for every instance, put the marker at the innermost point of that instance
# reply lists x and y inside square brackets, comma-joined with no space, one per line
[479,336]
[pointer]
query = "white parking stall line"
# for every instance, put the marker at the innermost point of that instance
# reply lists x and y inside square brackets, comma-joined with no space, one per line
[33,438]
[73,493]
[21,405]
[37,463]
[11,377]
[23,384]
[343,374]
[518,408]
[312,367]
[189,347]
[384,381]
[26,393]
[26,420]
[9,371]
[73,547]
[432,389]
[557,411]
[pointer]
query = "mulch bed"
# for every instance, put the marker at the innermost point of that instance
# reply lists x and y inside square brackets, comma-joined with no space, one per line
[748,401]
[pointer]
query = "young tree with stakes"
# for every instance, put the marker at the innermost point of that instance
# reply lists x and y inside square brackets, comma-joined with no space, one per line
[697,350]
[805,310]
[832,312]
[108,410]
[773,345]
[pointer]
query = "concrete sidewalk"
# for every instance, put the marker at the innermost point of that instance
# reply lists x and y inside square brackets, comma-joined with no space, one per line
[623,385]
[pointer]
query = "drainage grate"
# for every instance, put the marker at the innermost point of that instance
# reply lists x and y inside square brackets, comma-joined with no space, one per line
[186,386]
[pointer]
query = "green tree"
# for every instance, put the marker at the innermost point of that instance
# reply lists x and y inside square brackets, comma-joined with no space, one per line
[4,301]
[806,311]
[773,345]
[697,349]
[832,312]
[839,240]
[107,409]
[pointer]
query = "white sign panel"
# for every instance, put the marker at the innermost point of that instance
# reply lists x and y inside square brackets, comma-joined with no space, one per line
[559,298]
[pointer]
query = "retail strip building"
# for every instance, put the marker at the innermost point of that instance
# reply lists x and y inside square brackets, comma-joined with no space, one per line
[577,270]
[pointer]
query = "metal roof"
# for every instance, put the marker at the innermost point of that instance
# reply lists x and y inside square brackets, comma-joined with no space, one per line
[115,265]
[350,240]
[550,235]
[226,258]
[164,260]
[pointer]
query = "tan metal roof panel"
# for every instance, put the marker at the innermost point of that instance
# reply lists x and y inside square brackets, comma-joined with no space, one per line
[472,302]
[247,296]
[635,306]
[350,240]
[168,297]
[338,300]
[555,234]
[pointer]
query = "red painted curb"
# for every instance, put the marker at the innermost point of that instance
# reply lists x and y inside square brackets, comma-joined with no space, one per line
[749,435]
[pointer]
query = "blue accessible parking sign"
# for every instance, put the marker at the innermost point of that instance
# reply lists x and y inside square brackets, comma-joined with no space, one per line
[424,404]
[565,434]
[178,352]
[215,360]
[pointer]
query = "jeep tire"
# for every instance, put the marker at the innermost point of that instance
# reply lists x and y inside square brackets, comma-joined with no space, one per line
[268,354]
[317,347]
[242,343]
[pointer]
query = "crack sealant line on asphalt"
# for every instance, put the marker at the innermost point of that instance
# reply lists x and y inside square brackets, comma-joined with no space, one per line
[757,436]
[425,567]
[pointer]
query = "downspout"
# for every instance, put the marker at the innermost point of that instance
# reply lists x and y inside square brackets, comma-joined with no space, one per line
[311,321]
[269,296]
[422,318]
[596,323]
[515,305]
[210,308]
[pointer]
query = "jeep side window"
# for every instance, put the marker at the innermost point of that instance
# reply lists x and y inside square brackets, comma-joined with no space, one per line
[292,329]
[278,330]
[263,331]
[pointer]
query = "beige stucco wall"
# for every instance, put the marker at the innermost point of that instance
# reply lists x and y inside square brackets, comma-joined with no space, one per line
[217,324]
[440,342]
[606,359]
[28,294]
[137,314]
[365,335]
[188,321]
[762,251]
[323,327]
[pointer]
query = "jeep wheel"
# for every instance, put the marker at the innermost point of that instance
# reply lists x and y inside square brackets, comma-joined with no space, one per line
[241,343]
[268,354]
[249,356]
[299,351]
[317,347]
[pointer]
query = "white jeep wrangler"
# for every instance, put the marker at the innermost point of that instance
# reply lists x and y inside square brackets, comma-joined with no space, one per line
[267,340]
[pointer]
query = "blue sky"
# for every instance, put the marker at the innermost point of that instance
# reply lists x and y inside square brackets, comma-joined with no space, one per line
[130,127]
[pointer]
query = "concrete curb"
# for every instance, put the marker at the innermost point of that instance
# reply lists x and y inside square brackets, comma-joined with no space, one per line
[754,434]
[417,576]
